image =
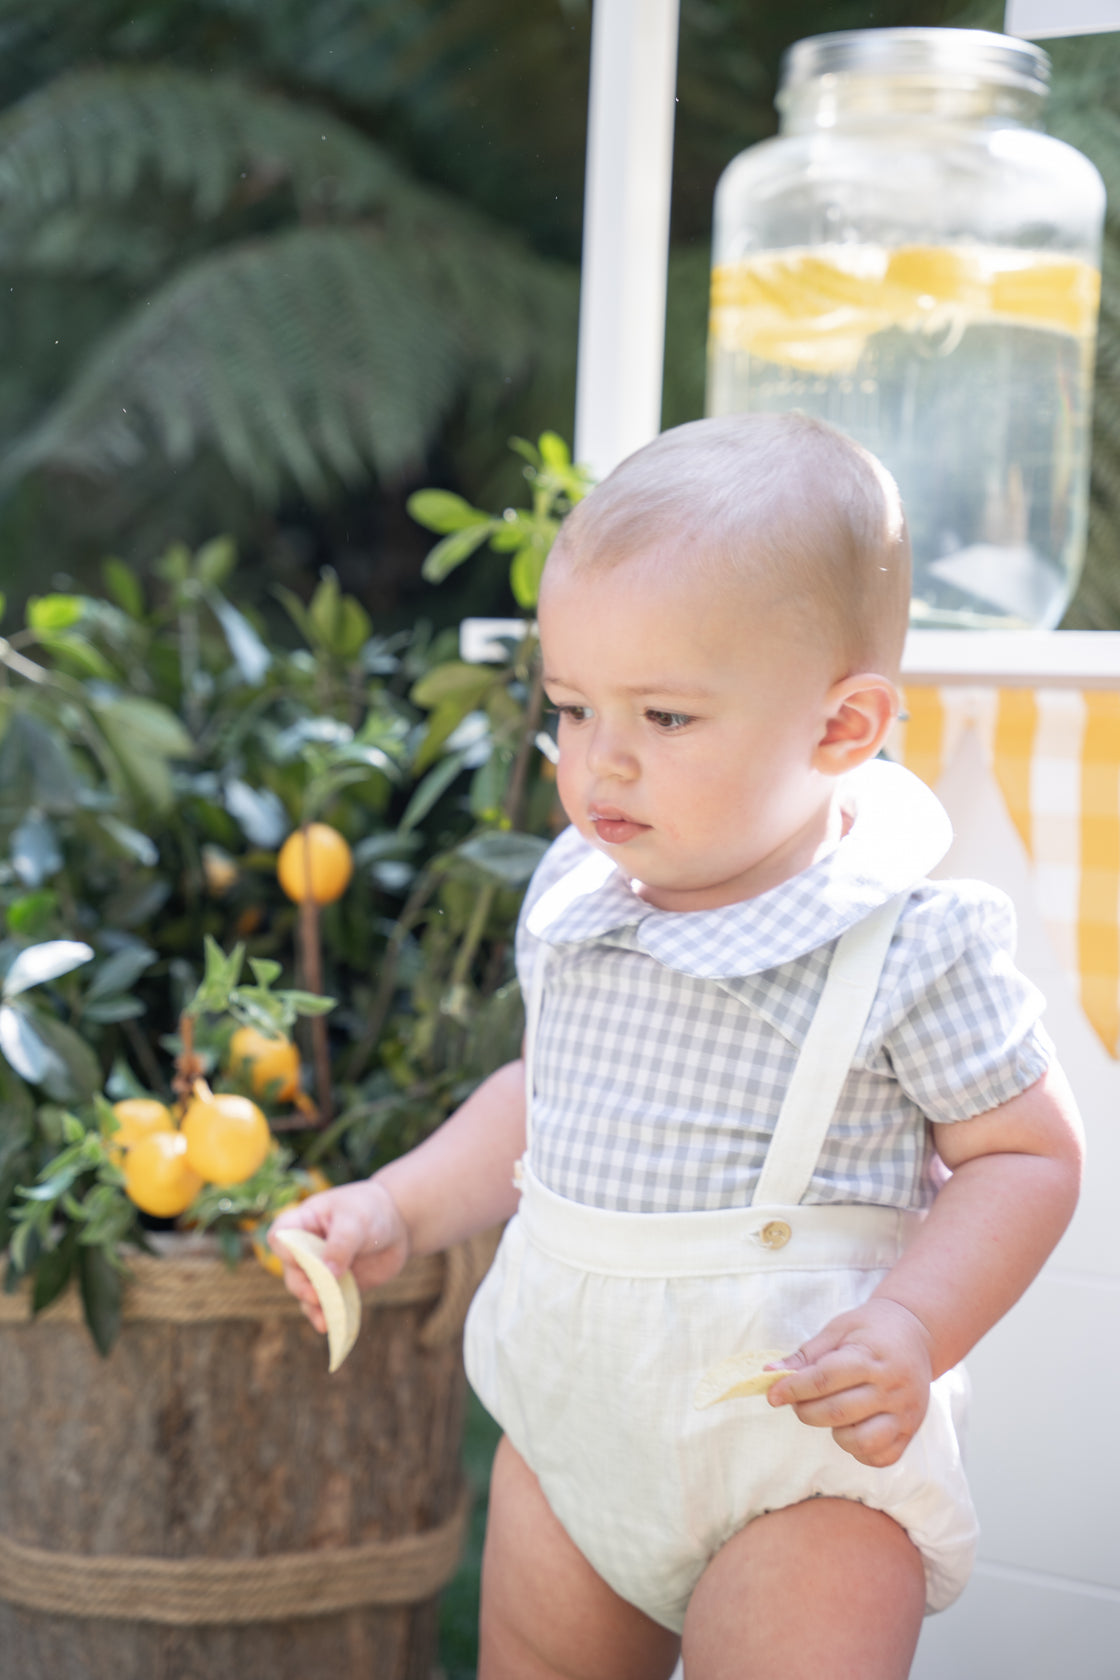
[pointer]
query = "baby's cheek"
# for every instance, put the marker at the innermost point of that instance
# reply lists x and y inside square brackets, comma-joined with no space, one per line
[568,792]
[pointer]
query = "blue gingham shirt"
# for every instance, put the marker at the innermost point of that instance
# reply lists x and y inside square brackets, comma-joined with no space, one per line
[667,1039]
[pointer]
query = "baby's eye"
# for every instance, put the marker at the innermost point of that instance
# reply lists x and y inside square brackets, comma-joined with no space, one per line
[669,721]
[574,714]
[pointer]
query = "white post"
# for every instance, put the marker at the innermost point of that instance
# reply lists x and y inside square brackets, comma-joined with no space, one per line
[1040,20]
[625,228]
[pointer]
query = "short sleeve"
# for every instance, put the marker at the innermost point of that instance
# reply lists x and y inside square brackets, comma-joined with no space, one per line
[564,853]
[962,1029]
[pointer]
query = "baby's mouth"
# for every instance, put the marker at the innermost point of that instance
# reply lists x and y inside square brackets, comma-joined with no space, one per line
[614,826]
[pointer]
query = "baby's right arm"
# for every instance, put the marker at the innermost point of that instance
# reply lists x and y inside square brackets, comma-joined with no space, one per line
[457,1182]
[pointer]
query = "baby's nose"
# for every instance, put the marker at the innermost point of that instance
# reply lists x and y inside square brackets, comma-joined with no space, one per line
[610,752]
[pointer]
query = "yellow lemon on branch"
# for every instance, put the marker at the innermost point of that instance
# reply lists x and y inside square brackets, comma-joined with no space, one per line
[315,862]
[227,1136]
[269,1065]
[157,1175]
[137,1117]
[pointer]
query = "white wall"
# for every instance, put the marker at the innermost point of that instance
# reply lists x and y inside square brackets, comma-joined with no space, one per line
[1044,1603]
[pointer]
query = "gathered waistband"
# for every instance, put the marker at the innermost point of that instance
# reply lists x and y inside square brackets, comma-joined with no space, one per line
[719,1242]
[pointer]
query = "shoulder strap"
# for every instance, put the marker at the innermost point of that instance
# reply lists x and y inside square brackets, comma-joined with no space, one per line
[532,1027]
[826,1056]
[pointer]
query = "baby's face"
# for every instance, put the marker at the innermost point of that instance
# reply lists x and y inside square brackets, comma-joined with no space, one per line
[689,728]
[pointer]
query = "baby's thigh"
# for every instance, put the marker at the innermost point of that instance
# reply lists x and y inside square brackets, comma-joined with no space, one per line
[827,1586]
[546,1613]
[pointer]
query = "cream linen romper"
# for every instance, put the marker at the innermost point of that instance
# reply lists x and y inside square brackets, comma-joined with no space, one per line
[588,1337]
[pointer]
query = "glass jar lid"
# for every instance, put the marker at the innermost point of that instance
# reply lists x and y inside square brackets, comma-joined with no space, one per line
[948,74]
[917,52]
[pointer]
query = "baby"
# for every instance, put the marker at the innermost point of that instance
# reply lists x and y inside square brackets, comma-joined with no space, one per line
[780,1090]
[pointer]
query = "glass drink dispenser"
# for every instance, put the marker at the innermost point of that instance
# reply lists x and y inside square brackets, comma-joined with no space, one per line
[914,260]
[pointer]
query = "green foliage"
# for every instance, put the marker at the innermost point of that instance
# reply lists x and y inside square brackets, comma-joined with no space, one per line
[157,744]
[310,356]
[526,535]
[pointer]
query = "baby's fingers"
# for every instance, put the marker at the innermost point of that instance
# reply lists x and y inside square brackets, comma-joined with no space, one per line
[819,1374]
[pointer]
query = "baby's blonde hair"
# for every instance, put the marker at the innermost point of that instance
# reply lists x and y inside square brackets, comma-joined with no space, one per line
[809,519]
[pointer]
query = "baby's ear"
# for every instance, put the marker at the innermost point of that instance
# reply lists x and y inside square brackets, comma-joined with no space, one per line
[859,714]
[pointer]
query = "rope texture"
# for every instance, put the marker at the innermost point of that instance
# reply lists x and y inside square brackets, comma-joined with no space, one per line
[193,1591]
[193,1289]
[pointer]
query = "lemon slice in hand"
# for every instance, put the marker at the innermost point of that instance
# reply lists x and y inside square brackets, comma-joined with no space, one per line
[737,1377]
[338,1297]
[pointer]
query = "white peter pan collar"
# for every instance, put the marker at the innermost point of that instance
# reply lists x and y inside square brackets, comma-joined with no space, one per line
[899,833]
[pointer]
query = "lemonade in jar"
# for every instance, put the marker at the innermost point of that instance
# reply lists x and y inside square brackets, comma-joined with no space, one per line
[914,260]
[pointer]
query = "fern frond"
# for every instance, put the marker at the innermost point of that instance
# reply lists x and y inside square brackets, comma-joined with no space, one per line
[96,135]
[317,355]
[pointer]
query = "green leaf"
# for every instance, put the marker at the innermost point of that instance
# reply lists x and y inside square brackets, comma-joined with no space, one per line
[488,786]
[119,972]
[22,1046]
[265,971]
[442,722]
[514,528]
[30,915]
[77,655]
[250,654]
[434,784]
[42,963]
[506,857]
[110,1010]
[453,550]
[455,679]
[48,614]
[443,511]
[309,1003]
[101,1297]
[221,976]
[250,1006]
[525,575]
[214,562]
[123,586]
[554,451]
[145,736]
[64,1172]
[53,1271]
[76,1073]
[152,726]
[296,611]
[325,611]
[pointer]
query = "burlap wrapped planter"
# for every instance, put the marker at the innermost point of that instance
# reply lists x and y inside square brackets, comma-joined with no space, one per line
[207,1504]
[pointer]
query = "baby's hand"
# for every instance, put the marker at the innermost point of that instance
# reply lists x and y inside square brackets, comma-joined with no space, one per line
[866,1377]
[363,1232]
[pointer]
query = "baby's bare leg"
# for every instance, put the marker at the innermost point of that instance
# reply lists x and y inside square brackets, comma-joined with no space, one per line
[827,1587]
[546,1614]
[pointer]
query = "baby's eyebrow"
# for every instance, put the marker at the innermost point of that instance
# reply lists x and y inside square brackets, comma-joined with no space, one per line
[682,690]
[659,688]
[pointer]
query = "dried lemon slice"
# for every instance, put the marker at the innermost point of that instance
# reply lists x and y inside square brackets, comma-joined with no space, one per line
[742,1374]
[338,1297]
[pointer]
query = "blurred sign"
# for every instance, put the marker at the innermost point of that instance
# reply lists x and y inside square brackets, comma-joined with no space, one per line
[1037,19]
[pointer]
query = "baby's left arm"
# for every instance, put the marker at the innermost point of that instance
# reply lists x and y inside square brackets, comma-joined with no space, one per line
[1015,1175]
